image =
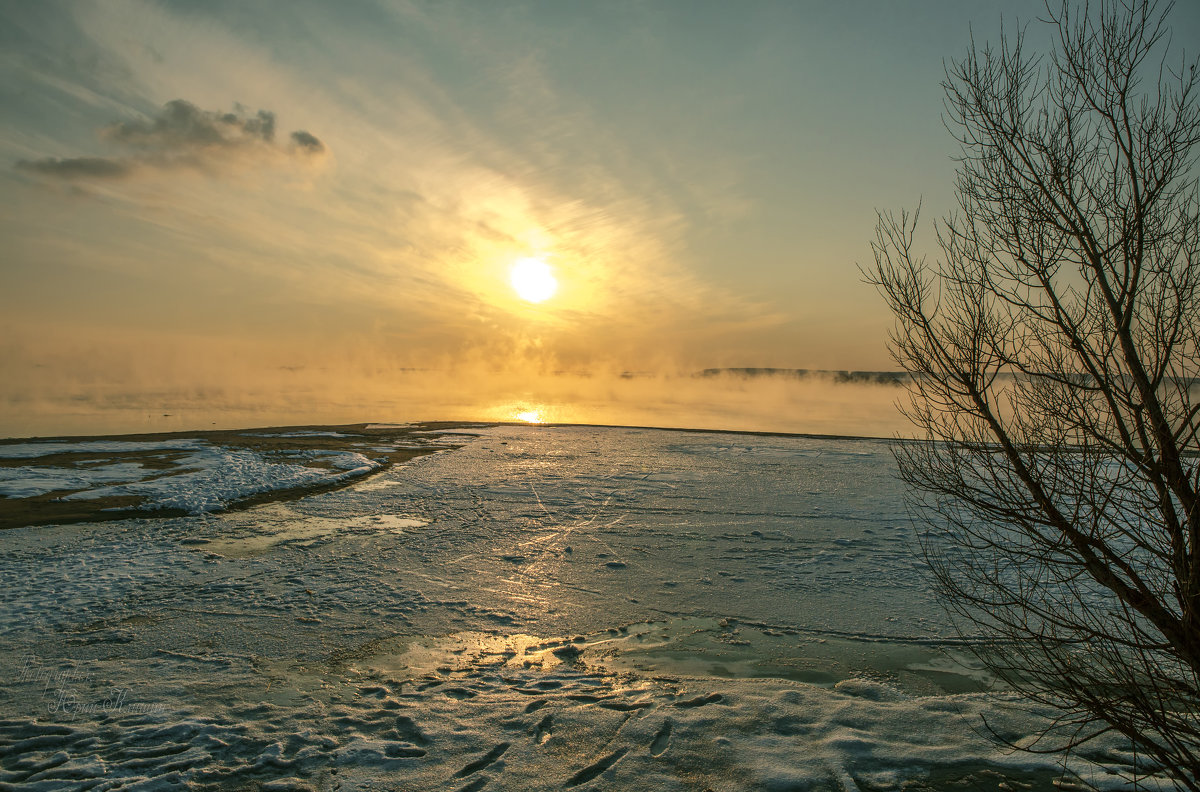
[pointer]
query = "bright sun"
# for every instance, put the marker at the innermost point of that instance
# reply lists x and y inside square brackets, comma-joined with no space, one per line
[533,280]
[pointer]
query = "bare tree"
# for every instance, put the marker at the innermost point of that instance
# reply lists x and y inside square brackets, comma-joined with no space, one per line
[1054,348]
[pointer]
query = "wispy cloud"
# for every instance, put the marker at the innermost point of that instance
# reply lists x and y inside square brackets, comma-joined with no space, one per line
[77,167]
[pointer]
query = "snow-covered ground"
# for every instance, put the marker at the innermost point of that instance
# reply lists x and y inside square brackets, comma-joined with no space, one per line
[202,477]
[543,608]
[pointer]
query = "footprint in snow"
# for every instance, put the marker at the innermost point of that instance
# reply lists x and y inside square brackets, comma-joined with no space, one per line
[700,701]
[662,740]
[596,768]
[626,706]
[484,761]
[407,729]
[544,728]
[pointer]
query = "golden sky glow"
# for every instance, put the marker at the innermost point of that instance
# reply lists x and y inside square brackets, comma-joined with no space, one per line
[252,205]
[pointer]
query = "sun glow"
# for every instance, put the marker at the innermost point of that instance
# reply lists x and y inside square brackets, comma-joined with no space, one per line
[529,416]
[533,280]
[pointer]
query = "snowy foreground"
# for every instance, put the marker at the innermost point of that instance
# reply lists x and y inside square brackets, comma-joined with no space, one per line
[542,608]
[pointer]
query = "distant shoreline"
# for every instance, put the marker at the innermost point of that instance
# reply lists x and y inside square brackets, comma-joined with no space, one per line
[751,432]
[208,434]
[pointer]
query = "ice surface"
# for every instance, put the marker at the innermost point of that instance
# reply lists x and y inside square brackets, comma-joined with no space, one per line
[544,608]
[302,433]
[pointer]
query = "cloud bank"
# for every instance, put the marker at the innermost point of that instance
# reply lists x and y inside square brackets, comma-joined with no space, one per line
[182,135]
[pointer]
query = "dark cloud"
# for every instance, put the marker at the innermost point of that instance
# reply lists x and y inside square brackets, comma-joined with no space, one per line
[181,126]
[180,135]
[77,168]
[306,142]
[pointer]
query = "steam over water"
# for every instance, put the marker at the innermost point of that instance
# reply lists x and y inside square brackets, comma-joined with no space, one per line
[739,400]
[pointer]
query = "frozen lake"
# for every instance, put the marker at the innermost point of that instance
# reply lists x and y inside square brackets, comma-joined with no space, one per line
[542,608]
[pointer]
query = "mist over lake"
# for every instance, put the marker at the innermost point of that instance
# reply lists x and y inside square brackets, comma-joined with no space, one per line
[763,400]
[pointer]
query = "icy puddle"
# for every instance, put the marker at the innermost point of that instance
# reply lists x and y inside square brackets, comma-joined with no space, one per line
[542,608]
[276,526]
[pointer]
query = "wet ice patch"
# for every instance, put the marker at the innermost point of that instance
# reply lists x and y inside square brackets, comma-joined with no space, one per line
[389,523]
[276,527]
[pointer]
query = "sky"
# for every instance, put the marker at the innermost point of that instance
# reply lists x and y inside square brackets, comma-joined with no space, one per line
[312,209]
